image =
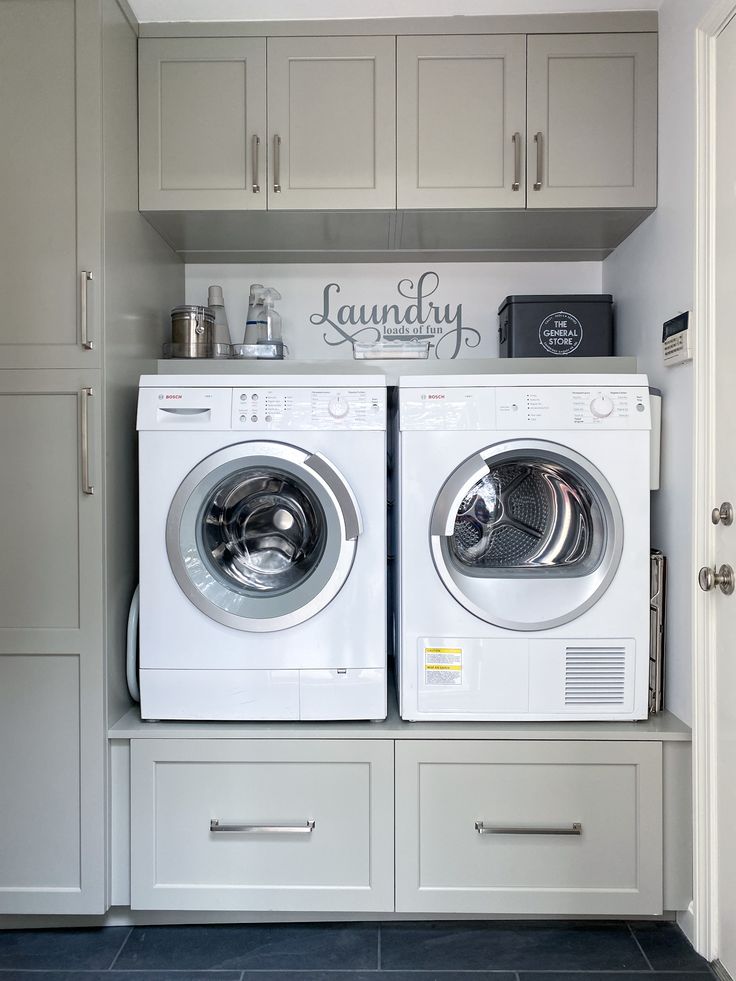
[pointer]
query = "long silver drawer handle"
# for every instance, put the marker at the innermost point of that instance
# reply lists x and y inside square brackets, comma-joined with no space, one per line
[516,140]
[539,140]
[483,829]
[87,487]
[261,829]
[255,144]
[277,164]
[85,277]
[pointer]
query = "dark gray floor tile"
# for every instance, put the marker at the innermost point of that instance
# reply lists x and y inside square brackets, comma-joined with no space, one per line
[617,976]
[83,949]
[302,946]
[667,948]
[381,976]
[510,946]
[121,976]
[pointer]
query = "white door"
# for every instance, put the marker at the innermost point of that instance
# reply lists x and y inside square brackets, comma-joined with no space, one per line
[592,121]
[723,548]
[332,122]
[461,111]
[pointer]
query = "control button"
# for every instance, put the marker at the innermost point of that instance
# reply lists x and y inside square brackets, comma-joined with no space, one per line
[254,418]
[268,418]
[243,398]
[338,407]
[601,406]
[639,407]
[254,397]
[244,418]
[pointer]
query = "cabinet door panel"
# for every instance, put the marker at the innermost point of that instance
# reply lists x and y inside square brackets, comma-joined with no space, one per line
[202,101]
[50,161]
[331,102]
[593,99]
[460,101]
[51,657]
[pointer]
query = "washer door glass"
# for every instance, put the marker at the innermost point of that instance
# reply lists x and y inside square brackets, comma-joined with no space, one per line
[261,536]
[527,534]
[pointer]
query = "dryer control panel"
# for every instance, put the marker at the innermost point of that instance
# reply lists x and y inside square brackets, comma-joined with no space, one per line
[299,408]
[518,408]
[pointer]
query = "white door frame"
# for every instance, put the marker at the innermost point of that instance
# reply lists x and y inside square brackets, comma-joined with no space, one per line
[705,850]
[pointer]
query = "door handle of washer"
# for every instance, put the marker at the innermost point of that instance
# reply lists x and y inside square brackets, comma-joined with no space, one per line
[343,495]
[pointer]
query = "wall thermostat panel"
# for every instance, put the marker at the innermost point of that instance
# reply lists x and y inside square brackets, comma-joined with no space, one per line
[676,347]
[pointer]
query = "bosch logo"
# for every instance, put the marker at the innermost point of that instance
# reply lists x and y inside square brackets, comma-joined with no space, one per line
[435,396]
[174,397]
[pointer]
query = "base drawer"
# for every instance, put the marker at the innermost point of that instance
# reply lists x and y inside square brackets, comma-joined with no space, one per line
[533,827]
[262,825]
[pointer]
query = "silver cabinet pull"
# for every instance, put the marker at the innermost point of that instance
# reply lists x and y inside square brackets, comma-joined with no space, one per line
[538,139]
[277,164]
[85,277]
[723,514]
[516,140]
[723,578]
[484,829]
[254,147]
[261,829]
[87,487]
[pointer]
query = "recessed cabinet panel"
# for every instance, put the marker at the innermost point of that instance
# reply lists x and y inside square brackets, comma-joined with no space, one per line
[529,827]
[39,718]
[202,105]
[460,102]
[39,519]
[50,175]
[592,120]
[331,120]
[300,825]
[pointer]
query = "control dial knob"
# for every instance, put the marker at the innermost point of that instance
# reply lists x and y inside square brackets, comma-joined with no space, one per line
[338,407]
[601,406]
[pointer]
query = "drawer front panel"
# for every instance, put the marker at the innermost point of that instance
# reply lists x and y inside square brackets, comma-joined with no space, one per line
[298,825]
[529,827]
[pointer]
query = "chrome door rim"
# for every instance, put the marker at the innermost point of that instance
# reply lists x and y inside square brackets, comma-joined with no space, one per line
[462,479]
[342,520]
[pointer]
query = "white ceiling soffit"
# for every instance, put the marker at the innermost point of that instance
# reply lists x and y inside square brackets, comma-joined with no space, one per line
[270,10]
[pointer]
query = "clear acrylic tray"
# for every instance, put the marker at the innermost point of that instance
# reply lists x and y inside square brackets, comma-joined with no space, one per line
[409,349]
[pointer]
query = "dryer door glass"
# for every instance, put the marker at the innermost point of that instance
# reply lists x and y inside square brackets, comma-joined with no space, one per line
[527,534]
[262,536]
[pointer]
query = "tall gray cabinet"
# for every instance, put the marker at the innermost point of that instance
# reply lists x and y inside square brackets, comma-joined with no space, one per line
[83,281]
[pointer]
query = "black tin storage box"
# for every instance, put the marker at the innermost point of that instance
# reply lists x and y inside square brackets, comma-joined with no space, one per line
[556,326]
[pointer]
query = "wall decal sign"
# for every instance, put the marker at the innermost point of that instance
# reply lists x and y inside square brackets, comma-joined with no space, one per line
[416,313]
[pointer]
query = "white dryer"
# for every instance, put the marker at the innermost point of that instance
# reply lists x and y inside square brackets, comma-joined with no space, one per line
[262,547]
[523,547]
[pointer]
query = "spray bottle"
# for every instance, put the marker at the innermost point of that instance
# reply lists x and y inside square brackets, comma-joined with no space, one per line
[254,318]
[270,333]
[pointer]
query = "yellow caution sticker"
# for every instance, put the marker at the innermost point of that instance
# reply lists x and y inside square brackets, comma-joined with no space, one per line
[443,665]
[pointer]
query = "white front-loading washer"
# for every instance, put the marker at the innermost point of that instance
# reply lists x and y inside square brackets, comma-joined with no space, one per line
[262,547]
[523,547]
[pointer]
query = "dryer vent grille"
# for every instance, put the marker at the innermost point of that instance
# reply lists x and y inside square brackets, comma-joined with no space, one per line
[595,675]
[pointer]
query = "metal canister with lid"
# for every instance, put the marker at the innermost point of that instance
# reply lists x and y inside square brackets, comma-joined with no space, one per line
[192,332]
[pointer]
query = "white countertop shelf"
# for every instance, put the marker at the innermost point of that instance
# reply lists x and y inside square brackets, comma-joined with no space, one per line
[663,727]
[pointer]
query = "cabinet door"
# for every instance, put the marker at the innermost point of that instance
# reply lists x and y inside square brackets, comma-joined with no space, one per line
[50,172]
[52,854]
[332,122]
[525,827]
[592,121]
[202,117]
[461,110]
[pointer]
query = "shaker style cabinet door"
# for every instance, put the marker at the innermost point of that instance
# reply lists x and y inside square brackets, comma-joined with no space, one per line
[461,110]
[592,121]
[332,122]
[50,172]
[52,745]
[202,119]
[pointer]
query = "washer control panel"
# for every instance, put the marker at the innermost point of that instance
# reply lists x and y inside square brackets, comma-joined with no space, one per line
[264,409]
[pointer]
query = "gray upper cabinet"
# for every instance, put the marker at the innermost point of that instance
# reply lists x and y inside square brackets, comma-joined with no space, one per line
[202,123]
[50,54]
[461,121]
[592,121]
[332,122]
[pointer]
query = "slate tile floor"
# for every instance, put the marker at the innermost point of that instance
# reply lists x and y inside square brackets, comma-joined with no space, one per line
[397,951]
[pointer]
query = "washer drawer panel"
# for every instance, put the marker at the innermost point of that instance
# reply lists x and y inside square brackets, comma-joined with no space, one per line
[255,824]
[533,827]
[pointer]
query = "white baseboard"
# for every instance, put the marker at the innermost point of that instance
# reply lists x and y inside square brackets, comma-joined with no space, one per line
[686,922]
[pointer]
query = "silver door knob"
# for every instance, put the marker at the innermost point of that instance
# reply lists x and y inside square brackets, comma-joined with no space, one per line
[723,514]
[722,578]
